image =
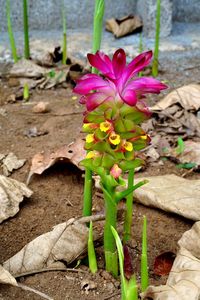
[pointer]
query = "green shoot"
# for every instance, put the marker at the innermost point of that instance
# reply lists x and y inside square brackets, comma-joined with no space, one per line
[181,146]
[91,251]
[97,27]
[97,32]
[129,208]
[26,30]
[10,32]
[26,92]
[157,40]
[128,288]
[64,50]
[144,260]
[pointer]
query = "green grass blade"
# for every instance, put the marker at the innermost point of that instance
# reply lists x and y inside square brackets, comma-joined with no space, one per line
[129,208]
[91,251]
[97,26]
[144,260]
[157,41]
[26,30]
[64,24]
[10,32]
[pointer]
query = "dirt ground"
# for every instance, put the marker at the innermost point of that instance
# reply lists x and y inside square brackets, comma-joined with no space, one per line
[58,196]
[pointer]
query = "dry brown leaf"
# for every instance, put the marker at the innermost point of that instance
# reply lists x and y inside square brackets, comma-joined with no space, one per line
[12,193]
[65,243]
[27,68]
[171,193]
[124,26]
[10,162]
[74,152]
[188,96]
[184,278]
[6,277]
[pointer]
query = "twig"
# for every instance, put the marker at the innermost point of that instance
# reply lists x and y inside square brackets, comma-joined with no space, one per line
[27,288]
[47,270]
[111,296]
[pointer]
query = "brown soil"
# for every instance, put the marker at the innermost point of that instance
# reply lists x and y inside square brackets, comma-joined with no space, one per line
[58,196]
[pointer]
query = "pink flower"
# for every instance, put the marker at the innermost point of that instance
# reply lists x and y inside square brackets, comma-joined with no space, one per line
[119,83]
[115,171]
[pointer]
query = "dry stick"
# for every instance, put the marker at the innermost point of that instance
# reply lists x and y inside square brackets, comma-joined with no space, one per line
[27,288]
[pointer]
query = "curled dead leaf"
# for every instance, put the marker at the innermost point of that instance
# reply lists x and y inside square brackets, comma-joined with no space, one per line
[55,249]
[163,263]
[12,193]
[6,277]
[184,278]
[74,153]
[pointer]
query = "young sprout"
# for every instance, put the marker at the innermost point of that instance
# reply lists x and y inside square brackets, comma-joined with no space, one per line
[26,30]
[26,92]
[128,288]
[10,32]
[64,50]
[157,40]
[91,251]
[181,146]
[97,27]
[97,32]
[144,260]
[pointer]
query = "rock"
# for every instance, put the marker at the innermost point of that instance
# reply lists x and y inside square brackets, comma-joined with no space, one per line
[41,107]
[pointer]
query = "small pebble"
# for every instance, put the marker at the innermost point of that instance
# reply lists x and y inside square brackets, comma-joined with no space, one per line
[41,107]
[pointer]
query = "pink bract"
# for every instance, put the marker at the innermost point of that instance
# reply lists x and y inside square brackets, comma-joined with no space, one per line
[119,83]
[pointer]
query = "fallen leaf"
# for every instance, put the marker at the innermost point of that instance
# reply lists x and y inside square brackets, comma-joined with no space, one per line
[170,193]
[163,263]
[65,243]
[6,277]
[74,153]
[10,162]
[124,26]
[184,278]
[27,68]
[12,193]
[187,96]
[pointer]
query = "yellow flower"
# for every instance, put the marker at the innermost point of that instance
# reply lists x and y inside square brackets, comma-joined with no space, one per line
[105,126]
[114,138]
[90,138]
[143,137]
[92,154]
[128,146]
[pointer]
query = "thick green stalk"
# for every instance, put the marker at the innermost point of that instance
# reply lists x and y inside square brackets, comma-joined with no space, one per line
[97,30]
[97,27]
[10,32]
[157,40]
[144,260]
[87,195]
[26,31]
[64,50]
[111,257]
[91,251]
[129,208]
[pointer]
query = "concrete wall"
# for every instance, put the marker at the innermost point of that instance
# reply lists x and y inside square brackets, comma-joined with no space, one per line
[186,10]
[46,14]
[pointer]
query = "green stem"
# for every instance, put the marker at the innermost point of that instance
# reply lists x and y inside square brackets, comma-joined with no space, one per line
[157,40]
[111,257]
[10,32]
[97,30]
[87,195]
[91,251]
[129,208]
[144,260]
[97,27]
[64,50]
[26,31]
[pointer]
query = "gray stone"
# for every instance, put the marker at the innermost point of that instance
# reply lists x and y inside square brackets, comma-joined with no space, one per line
[186,10]
[147,10]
